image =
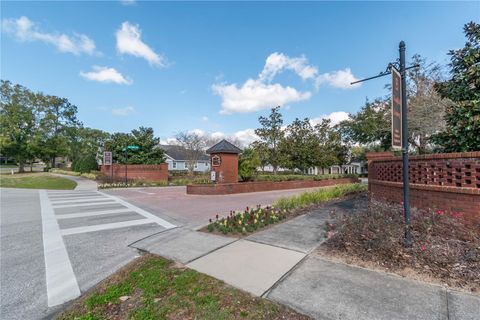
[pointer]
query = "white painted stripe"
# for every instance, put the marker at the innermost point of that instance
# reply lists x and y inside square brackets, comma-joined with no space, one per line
[61,193]
[106,226]
[91,213]
[68,197]
[96,203]
[61,283]
[90,199]
[144,213]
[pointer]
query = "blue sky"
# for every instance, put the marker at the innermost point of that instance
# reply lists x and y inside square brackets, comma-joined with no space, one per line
[217,66]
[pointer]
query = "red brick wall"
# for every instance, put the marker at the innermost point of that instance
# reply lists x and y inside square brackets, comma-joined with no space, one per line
[244,187]
[150,172]
[449,181]
[227,171]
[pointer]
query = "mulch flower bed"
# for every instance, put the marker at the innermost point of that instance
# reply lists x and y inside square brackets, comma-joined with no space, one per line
[247,221]
[446,248]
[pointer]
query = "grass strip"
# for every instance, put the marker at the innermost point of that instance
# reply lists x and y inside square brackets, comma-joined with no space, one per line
[318,196]
[36,181]
[155,288]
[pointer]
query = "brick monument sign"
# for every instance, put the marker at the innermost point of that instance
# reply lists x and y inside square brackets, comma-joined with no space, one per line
[224,162]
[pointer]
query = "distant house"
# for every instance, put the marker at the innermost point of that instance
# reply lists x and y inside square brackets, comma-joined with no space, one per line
[354,167]
[176,157]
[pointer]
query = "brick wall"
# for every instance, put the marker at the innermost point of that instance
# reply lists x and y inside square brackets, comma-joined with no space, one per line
[244,187]
[448,181]
[150,172]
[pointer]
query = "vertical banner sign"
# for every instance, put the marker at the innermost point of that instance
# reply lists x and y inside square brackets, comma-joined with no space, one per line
[107,158]
[396,109]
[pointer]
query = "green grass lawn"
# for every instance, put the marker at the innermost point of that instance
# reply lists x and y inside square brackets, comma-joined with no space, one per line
[155,288]
[35,181]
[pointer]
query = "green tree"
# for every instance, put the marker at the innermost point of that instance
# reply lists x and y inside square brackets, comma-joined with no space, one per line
[143,137]
[300,145]
[271,134]
[330,149]
[248,163]
[463,116]
[57,117]
[370,126]
[86,142]
[17,122]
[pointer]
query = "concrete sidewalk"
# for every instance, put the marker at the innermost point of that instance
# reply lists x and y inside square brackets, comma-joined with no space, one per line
[83,184]
[281,263]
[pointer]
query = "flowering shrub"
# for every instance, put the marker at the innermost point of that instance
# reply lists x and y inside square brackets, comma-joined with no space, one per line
[248,220]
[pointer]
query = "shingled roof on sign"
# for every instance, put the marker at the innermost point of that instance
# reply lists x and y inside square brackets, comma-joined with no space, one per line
[224,147]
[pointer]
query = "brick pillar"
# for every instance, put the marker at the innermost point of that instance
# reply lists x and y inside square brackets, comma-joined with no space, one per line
[225,166]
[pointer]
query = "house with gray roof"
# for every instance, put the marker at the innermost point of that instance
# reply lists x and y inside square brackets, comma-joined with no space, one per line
[177,159]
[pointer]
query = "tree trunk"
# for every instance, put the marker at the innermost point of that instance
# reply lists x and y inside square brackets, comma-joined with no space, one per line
[31,166]
[21,166]
[53,162]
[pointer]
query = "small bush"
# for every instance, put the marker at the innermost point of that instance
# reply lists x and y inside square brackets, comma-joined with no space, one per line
[85,164]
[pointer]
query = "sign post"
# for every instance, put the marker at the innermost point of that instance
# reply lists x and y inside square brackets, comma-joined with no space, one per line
[400,127]
[406,186]
[107,161]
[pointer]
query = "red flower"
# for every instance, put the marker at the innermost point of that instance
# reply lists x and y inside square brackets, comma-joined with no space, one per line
[216,216]
[210,220]
[440,212]
[457,214]
[423,247]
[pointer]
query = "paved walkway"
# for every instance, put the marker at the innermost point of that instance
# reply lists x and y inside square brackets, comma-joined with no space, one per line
[280,263]
[83,184]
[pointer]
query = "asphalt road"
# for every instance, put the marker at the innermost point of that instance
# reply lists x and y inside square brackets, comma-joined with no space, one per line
[56,244]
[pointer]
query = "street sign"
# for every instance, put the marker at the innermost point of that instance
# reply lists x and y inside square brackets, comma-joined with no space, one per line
[131,148]
[107,158]
[213,176]
[396,109]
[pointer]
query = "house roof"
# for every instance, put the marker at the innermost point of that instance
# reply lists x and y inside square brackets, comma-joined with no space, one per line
[224,147]
[179,153]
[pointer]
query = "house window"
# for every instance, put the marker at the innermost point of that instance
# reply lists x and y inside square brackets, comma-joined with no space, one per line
[174,165]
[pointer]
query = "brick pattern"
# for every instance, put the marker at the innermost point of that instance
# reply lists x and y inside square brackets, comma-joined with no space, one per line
[449,181]
[154,172]
[227,171]
[244,187]
[456,172]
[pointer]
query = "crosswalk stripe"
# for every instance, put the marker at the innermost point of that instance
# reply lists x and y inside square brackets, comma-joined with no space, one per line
[91,213]
[106,226]
[61,282]
[144,213]
[96,203]
[89,199]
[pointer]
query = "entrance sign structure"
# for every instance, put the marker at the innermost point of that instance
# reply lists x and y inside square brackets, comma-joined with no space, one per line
[224,162]
[108,161]
[401,71]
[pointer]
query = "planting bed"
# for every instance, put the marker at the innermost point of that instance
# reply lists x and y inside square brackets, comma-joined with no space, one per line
[446,249]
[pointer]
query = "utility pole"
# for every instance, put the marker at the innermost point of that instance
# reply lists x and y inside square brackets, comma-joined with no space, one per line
[404,132]
[126,165]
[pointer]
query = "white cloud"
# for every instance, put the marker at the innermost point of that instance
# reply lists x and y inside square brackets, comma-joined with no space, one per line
[277,62]
[335,118]
[123,112]
[129,42]
[337,79]
[261,93]
[246,136]
[105,74]
[23,29]
[128,2]
[205,118]
[255,95]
